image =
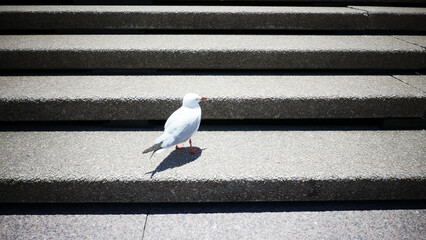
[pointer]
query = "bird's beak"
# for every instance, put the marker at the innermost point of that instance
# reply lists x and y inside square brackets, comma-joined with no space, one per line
[204,98]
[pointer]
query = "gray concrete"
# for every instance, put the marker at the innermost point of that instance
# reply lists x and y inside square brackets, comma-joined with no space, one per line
[271,220]
[373,224]
[239,165]
[417,40]
[212,17]
[394,18]
[181,17]
[417,81]
[341,1]
[208,52]
[230,97]
[73,226]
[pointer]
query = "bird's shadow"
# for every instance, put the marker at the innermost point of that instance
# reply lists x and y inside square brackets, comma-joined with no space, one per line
[175,159]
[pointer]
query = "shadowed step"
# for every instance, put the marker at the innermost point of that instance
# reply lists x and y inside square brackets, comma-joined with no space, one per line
[211,18]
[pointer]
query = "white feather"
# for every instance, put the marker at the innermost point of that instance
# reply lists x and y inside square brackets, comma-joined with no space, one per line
[183,123]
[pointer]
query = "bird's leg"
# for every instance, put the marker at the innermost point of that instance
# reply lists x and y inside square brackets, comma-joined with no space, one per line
[191,150]
[179,147]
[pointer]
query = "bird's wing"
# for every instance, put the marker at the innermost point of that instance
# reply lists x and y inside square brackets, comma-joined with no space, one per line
[179,127]
[175,116]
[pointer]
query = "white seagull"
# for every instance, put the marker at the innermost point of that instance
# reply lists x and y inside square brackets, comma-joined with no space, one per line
[181,125]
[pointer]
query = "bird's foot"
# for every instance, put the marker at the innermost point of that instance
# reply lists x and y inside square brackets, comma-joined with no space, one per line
[193,151]
[179,147]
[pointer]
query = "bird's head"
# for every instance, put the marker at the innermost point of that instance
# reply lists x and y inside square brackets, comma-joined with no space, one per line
[191,100]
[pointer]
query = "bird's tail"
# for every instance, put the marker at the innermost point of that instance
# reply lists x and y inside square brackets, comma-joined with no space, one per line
[153,149]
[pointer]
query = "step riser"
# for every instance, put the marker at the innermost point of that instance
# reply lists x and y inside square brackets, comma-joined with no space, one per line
[158,109]
[181,18]
[172,59]
[387,18]
[211,18]
[212,191]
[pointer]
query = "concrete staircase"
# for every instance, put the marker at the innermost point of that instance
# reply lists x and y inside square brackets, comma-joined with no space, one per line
[314,127]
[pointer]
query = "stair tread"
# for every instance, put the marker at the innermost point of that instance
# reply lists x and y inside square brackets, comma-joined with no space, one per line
[208,42]
[212,221]
[243,165]
[77,226]
[209,52]
[418,82]
[289,225]
[230,97]
[418,40]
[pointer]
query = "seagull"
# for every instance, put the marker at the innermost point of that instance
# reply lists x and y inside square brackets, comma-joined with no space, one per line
[180,126]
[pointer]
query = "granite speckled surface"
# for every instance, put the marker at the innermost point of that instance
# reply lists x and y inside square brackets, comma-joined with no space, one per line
[417,81]
[181,17]
[394,18]
[74,226]
[212,17]
[336,1]
[230,97]
[373,224]
[261,220]
[418,40]
[97,166]
[184,51]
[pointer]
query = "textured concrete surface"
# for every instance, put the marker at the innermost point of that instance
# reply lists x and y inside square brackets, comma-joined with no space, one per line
[212,17]
[208,52]
[238,165]
[230,97]
[266,220]
[343,1]
[75,226]
[395,18]
[181,17]
[374,224]
[417,81]
[418,40]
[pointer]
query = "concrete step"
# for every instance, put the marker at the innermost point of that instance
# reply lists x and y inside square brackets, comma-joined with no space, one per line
[61,224]
[416,40]
[211,18]
[234,166]
[321,220]
[395,18]
[347,224]
[155,97]
[235,2]
[182,17]
[210,52]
